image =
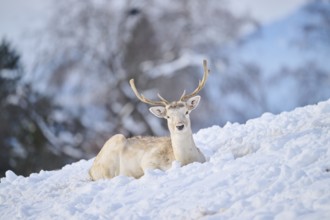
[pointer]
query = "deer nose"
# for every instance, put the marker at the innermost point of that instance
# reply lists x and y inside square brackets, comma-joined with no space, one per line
[180,127]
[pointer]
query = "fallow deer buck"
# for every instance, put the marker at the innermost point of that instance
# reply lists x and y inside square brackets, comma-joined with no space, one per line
[133,156]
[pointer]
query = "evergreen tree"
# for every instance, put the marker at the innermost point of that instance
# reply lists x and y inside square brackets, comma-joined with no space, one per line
[24,145]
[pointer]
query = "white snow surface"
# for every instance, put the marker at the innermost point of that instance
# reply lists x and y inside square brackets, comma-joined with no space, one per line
[272,167]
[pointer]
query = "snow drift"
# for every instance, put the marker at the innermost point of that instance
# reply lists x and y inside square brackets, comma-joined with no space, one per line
[273,167]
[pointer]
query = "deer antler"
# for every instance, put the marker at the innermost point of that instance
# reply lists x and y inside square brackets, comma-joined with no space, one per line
[144,99]
[184,97]
[201,84]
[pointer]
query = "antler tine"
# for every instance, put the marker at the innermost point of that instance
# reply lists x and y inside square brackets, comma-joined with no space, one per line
[164,100]
[144,99]
[183,94]
[201,83]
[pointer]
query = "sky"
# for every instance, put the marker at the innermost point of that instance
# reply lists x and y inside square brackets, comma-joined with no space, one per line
[17,17]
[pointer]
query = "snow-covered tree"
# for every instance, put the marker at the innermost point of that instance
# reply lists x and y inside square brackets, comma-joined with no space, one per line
[97,46]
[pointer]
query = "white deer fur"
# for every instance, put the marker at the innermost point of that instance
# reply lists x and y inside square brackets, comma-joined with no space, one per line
[133,156]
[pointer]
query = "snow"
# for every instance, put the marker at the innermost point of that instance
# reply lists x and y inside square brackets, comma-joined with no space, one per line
[285,35]
[272,167]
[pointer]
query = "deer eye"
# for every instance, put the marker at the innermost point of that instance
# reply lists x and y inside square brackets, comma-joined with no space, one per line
[187,112]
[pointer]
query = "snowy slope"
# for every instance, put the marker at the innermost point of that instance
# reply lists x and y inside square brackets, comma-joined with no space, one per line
[282,43]
[281,65]
[273,167]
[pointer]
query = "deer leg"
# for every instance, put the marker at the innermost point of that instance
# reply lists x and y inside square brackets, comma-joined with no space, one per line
[106,163]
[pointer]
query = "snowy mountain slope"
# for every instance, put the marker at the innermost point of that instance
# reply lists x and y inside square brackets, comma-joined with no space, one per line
[279,67]
[285,42]
[273,167]
[297,60]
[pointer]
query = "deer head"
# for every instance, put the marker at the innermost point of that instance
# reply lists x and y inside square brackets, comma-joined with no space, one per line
[177,112]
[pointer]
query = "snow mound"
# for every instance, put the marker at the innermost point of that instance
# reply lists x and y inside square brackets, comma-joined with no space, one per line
[272,167]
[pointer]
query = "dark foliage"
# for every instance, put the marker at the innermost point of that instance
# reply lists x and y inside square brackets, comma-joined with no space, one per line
[24,147]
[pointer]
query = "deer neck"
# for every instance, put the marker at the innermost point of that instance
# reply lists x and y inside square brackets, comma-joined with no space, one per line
[184,147]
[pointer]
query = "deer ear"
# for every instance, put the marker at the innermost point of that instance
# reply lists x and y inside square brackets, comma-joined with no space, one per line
[158,111]
[193,102]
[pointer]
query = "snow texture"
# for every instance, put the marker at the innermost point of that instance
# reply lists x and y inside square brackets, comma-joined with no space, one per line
[272,167]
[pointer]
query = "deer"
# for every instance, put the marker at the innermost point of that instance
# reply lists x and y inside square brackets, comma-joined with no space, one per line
[134,156]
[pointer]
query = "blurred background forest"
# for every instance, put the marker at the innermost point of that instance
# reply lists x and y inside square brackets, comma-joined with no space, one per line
[64,76]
